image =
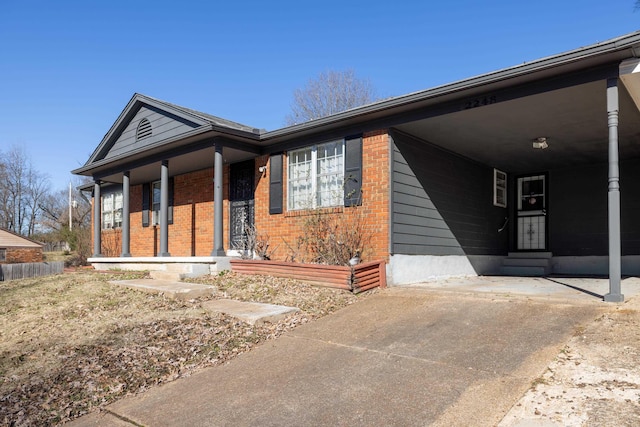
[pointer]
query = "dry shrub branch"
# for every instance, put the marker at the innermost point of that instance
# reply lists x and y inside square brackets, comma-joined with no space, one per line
[332,238]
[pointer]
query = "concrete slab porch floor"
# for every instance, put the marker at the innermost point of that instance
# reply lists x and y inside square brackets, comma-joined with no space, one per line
[422,355]
[553,287]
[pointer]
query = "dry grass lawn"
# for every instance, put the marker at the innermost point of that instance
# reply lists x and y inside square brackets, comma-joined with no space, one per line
[72,343]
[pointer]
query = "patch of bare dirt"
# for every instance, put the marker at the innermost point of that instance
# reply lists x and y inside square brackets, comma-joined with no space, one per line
[72,343]
[594,381]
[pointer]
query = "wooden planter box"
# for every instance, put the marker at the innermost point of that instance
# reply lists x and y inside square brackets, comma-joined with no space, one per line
[357,279]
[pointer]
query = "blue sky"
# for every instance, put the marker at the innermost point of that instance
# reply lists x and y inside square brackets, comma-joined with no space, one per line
[68,68]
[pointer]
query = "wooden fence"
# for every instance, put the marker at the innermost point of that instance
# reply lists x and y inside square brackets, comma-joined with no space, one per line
[357,279]
[29,269]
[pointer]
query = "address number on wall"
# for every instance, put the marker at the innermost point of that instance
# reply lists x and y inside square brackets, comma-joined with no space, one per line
[480,102]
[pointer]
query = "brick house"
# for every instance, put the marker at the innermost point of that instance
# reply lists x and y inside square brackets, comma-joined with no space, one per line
[17,249]
[513,172]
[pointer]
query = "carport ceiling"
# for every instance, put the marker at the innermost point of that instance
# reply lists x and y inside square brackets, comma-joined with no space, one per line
[574,119]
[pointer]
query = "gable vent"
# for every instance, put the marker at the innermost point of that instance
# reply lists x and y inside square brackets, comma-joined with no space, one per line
[144,129]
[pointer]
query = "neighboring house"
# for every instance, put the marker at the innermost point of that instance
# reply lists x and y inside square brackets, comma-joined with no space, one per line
[17,249]
[512,172]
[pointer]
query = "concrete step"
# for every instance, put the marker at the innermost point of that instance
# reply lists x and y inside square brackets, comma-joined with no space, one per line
[179,271]
[171,288]
[523,271]
[526,262]
[253,313]
[530,254]
[167,275]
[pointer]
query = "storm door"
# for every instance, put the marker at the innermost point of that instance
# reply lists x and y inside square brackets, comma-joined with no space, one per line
[532,213]
[241,215]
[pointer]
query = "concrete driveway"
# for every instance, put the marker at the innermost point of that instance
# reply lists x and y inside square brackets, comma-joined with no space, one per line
[428,355]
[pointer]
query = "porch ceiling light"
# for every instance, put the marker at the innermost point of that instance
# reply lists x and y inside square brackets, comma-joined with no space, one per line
[540,143]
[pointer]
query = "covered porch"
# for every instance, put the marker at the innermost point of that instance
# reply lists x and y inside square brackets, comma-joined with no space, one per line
[151,148]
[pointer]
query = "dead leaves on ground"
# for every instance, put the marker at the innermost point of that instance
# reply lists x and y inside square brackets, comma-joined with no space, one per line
[92,344]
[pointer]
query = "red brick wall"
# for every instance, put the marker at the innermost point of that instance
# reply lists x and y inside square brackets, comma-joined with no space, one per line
[376,177]
[284,228]
[191,233]
[20,255]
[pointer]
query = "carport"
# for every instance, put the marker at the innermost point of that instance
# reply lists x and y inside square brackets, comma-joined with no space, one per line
[570,121]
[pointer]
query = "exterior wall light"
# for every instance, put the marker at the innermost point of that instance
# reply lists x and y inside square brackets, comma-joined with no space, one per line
[540,143]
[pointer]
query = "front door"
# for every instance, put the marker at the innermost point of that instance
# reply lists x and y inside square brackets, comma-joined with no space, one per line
[532,213]
[240,203]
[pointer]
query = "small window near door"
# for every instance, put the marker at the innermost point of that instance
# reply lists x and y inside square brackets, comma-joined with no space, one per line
[3,254]
[499,188]
[155,202]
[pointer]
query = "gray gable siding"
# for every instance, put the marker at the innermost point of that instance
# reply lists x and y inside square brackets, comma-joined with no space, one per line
[442,203]
[163,125]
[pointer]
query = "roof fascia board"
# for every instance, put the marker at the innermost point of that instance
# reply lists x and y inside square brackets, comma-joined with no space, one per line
[147,159]
[167,146]
[504,94]
[253,137]
[629,41]
[332,134]
[238,145]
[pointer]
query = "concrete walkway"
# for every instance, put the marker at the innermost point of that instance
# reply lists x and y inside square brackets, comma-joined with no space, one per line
[406,356]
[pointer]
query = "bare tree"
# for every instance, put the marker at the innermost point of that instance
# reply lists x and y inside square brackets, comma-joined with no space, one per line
[21,190]
[15,169]
[55,208]
[329,93]
[54,222]
[38,187]
[5,218]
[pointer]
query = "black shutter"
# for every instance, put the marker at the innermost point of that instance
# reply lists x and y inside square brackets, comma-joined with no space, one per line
[353,171]
[275,184]
[170,212]
[146,189]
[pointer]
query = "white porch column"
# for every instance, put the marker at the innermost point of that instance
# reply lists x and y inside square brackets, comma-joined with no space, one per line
[218,241]
[164,209]
[615,294]
[97,220]
[126,228]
